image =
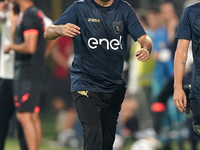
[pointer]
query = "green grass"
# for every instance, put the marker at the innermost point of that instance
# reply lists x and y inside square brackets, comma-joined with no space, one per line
[48,134]
[48,129]
[12,144]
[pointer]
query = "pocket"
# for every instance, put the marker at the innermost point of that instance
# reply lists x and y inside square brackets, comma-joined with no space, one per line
[78,94]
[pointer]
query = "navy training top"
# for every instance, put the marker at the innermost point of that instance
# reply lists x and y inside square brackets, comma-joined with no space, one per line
[189,29]
[30,66]
[101,47]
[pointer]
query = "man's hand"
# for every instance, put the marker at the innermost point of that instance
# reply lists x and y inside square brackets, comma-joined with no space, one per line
[70,30]
[146,43]
[142,55]
[180,99]
[54,31]
[7,49]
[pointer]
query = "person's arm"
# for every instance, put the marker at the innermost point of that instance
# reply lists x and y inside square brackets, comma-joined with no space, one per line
[31,26]
[13,18]
[137,32]
[28,46]
[65,25]
[146,46]
[50,47]
[60,59]
[54,31]
[179,69]
[184,34]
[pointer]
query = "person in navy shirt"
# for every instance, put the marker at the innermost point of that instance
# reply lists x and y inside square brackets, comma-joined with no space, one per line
[188,30]
[99,29]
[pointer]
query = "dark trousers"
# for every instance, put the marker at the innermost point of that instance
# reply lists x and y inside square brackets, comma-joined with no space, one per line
[6,108]
[6,112]
[98,114]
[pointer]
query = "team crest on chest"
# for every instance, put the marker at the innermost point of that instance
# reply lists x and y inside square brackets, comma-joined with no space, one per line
[117,26]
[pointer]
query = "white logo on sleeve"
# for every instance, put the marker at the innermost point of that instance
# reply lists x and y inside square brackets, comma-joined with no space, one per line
[114,44]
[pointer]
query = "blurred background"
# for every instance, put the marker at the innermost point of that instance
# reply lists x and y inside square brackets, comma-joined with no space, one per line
[53,8]
[148,119]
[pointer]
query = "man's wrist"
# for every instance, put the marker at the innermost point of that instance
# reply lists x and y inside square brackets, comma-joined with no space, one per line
[176,87]
[60,29]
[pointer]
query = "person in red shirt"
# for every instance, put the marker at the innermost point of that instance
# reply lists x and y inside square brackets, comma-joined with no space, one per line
[62,97]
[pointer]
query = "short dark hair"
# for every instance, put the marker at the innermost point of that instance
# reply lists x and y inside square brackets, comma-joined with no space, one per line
[153,8]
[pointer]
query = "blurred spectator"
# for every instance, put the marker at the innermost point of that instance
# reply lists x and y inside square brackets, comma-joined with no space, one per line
[29,46]
[8,21]
[162,72]
[7,17]
[169,20]
[62,97]
[164,66]
[172,121]
[139,121]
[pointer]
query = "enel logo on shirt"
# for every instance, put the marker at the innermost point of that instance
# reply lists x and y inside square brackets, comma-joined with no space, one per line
[114,44]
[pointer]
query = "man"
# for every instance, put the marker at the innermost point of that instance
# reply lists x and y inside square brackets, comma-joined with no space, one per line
[29,70]
[6,71]
[188,29]
[99,29]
